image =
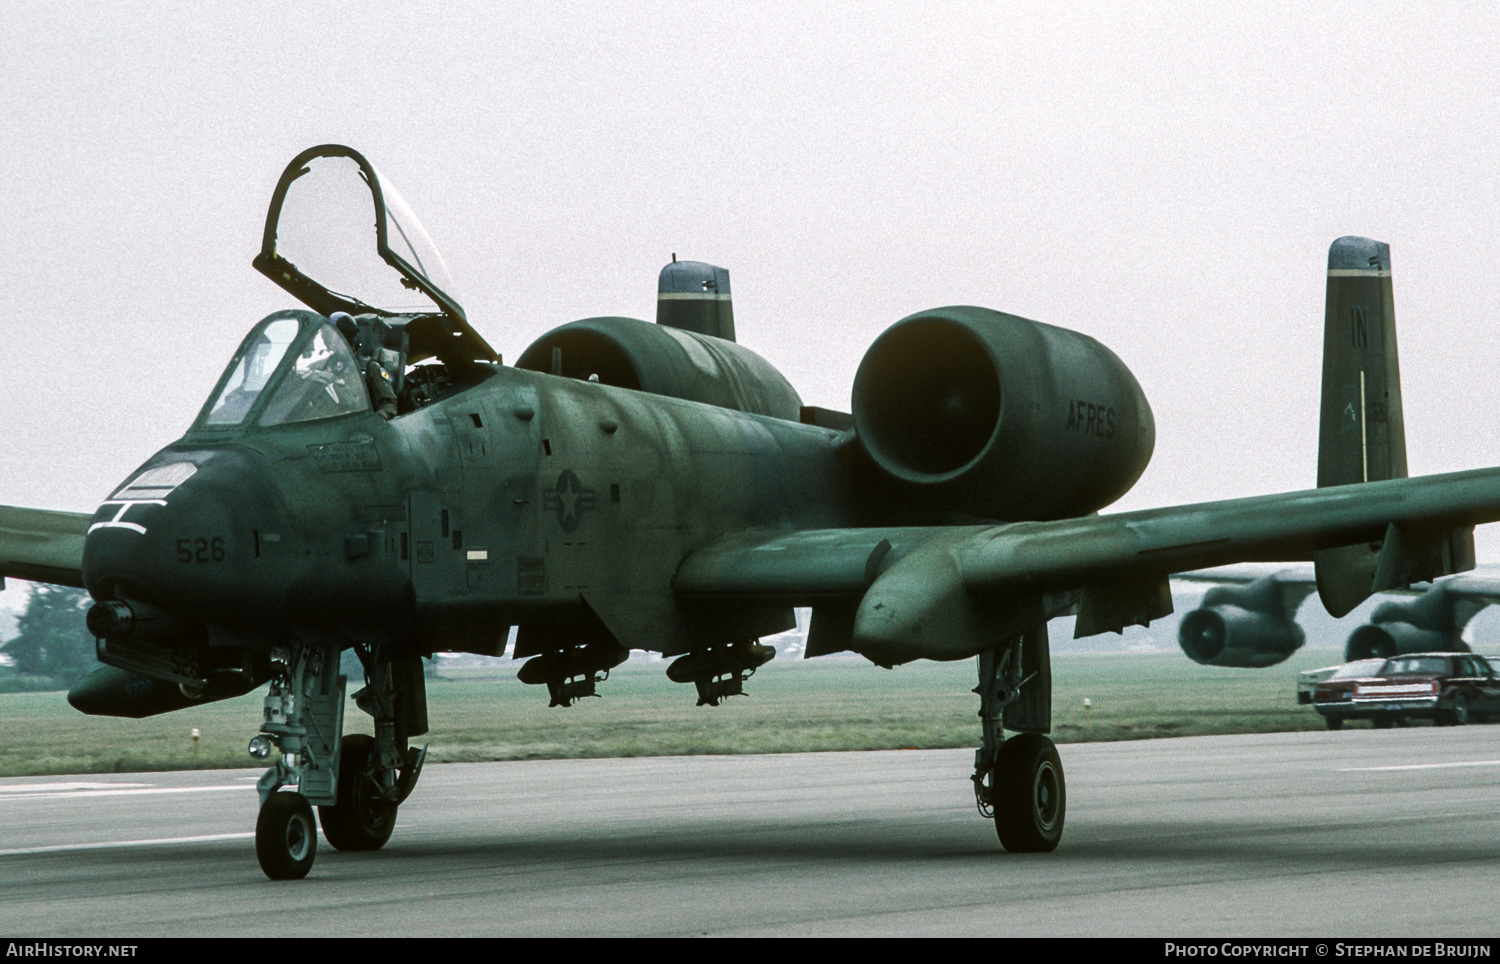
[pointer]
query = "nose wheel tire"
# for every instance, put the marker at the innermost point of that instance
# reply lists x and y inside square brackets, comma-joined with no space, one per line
[286,838]
[1029,794]
[362,819]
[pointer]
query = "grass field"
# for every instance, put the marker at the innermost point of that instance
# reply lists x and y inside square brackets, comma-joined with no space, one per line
[791,706]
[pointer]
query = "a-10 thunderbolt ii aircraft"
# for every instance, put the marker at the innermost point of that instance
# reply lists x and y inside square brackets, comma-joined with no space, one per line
[627,485]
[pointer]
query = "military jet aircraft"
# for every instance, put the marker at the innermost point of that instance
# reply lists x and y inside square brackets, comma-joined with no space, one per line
[1249,619]
[626,485]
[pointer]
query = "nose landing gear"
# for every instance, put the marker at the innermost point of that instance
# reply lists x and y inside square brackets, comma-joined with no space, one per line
[357,782]
[286,839]
[304,718]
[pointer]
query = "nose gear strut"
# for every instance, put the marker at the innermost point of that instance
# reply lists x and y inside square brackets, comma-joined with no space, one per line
[304,721]
[356,782]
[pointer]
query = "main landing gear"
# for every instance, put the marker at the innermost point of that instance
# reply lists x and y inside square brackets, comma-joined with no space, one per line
[357,782]
[1018,782]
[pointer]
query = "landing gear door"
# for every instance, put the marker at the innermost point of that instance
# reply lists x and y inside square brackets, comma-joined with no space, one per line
[340,237]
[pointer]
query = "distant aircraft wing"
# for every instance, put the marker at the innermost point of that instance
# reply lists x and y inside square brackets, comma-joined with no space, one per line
[41,545]
[1480,585]
[926,592]
[1298,574]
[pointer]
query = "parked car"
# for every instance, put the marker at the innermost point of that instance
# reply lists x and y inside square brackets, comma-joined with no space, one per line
[1308,679]
[1447,688]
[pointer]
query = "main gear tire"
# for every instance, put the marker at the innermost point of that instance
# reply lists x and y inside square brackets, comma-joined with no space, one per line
[286,838]
[1029,794]
[362,819]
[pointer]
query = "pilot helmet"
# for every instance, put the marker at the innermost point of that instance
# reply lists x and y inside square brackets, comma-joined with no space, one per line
[345,323]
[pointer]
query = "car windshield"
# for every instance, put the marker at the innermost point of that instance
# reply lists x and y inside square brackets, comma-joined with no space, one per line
[1414,664]
[259,356]
[1360,667]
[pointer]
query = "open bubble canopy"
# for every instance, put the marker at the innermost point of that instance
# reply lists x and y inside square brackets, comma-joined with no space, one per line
[340,237]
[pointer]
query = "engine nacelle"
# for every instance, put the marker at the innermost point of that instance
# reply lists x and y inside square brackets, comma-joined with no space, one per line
[996,416]
[663,360]
[1244,626]
[1430,623]
[1397,639]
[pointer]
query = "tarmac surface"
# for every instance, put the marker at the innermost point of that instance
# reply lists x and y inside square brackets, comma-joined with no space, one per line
[1360,833]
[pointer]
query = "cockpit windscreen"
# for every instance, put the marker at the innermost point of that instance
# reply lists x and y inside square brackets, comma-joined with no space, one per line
[323,381]
[257,364]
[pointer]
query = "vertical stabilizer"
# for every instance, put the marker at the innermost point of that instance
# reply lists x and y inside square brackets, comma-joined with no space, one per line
[694,296]
[1362,433]
[1362,436]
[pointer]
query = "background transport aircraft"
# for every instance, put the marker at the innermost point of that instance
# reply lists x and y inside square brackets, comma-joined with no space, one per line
[1250,618]
[368,475]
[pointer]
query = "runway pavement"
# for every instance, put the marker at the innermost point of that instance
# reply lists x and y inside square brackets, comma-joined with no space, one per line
[1390,833]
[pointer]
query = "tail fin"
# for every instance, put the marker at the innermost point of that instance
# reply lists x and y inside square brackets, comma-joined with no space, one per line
[1363,435]
[1362,432]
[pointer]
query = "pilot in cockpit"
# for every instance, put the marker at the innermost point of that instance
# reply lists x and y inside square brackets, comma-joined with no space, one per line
[370,352]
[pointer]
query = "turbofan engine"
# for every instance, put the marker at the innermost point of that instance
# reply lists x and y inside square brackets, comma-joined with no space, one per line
[1431,623]
[664,360]
[996,416]
[1249,626]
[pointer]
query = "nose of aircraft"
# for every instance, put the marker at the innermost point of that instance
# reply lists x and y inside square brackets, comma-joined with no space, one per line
[208,544]
[172,544]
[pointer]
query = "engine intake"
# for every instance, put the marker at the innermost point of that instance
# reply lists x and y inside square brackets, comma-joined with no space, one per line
[1248,626]
[1389,639]
[1001,417]
[1431,623]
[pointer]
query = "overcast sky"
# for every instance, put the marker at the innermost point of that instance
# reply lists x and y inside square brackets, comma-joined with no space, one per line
[1164,178]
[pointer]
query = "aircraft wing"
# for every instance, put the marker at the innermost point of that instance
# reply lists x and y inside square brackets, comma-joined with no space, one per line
[1480,585]
[42,545]
[920,592]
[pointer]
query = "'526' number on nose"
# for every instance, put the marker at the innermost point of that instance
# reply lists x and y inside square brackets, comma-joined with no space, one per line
[200,550]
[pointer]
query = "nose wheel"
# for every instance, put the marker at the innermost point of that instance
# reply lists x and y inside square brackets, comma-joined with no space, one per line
[286,838]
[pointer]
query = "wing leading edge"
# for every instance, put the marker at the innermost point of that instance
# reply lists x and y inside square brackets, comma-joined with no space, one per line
[900,594]
[42,545]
